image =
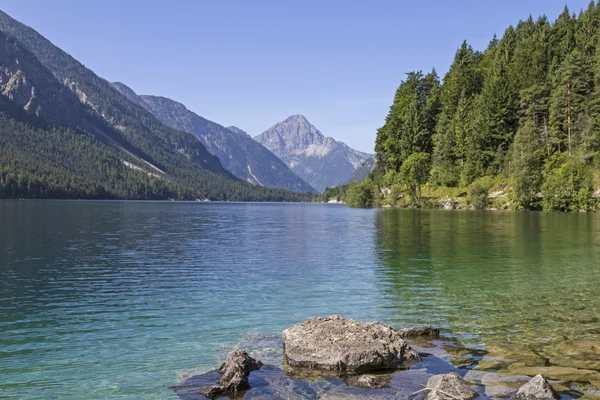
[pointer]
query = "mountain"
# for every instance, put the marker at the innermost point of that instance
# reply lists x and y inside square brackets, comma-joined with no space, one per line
[65,132]
[321,161]
[238,152]
[363,171]
[237,130]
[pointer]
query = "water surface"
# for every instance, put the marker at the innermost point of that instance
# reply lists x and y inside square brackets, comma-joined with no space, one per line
[118,300]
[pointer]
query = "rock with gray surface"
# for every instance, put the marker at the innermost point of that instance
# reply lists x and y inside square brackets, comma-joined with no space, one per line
[345,346]
[234,372]
[321,161]
[363,171]
[538,388]
[449,387]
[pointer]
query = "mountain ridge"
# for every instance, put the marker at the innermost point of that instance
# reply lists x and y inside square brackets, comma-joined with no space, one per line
[238,152]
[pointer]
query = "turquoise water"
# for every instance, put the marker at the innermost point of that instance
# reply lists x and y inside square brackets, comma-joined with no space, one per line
[119,300]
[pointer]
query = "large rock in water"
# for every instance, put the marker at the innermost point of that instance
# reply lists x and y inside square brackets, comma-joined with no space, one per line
[538,388]
[345,345]
[449,387]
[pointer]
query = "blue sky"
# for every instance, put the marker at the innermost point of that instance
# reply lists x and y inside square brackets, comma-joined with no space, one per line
[253,63]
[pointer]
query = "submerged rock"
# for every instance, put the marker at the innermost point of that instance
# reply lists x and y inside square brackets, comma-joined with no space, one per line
[234,375]
[493,384]
[272,383]
[345,345]
[349,393]
[419,331]
[574,353]
[368,381]
[562,374]
[449,387]
[538,388]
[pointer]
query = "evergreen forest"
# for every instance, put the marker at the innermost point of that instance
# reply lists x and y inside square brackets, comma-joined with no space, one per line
[521,117]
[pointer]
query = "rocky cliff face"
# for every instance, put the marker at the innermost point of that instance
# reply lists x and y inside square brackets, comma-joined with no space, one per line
[363,171]
[32,87]
[237,151]
[321,161]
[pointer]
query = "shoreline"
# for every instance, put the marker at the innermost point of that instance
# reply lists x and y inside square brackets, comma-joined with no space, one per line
[493,372]
[459,204]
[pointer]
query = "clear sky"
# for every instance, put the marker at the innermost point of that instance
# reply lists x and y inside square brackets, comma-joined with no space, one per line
[252,63]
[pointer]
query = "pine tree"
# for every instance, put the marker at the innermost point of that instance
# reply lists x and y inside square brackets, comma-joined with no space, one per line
[572,85]
[410,122]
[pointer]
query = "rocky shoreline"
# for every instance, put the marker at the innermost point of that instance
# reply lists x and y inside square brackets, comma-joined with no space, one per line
[335,358]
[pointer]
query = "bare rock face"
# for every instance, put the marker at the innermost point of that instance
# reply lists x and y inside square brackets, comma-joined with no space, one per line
[234,374]
[345,345]
[419,331]
[321,161]
[538,388]
[449,387]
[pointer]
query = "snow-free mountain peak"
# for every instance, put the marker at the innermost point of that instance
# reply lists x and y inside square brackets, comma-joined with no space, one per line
[238,152]
[321,161]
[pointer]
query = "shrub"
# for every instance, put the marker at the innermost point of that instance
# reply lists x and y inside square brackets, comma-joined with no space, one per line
[477,196]
[568,187]
[363,194]
[478,191]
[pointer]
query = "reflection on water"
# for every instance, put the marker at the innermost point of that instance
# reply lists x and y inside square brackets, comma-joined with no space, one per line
[502,278]
[115,299]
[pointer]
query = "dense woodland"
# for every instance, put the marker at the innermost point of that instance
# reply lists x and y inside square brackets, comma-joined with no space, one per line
[523,116]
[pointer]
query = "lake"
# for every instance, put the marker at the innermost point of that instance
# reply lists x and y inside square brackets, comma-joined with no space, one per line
[119,300]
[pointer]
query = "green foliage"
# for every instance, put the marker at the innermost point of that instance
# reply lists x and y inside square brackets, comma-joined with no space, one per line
[337,193]
[572,85]
[477,196]
[568,187]
[510,111]
[363,194]
[414,172]
[478,192]
[410,123]
[526,167]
